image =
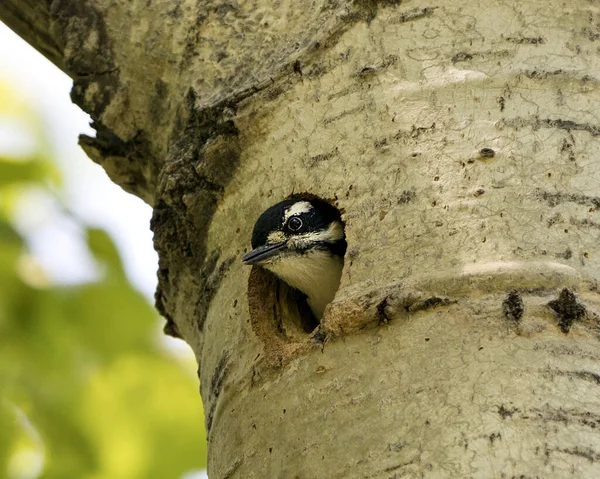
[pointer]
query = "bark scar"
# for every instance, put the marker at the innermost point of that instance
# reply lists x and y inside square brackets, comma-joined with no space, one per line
[216,384]
[431,302]
[513,306]
[567,309]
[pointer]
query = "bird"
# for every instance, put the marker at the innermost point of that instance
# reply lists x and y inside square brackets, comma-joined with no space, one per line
[302,241]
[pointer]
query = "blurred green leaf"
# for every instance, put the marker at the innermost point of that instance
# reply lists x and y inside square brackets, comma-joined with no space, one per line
[21,171]
[151,419]
[9,236]
[111,318]
[8,426]
[81,363]
[103,248]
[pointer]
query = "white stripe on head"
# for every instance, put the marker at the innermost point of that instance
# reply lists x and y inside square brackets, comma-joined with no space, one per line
[333,233]
[296,209]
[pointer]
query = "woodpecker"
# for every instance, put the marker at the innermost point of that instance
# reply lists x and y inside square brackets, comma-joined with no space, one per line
[302,241]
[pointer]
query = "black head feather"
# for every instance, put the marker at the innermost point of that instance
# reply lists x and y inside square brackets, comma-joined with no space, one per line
[318,218]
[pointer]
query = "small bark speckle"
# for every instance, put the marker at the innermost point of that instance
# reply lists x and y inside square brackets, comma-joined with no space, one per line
[506,412]
[487,153]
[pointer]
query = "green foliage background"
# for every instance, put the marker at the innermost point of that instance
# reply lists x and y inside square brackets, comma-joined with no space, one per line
[87,388]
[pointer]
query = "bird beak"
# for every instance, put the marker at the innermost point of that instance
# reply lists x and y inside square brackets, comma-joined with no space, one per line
[263,252]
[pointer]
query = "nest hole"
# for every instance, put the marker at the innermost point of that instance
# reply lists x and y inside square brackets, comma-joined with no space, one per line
[278,312]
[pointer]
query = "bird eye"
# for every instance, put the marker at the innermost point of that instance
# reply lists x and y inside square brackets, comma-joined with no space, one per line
[294,223]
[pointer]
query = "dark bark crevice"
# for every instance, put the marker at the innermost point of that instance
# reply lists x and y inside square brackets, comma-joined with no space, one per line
[201,161]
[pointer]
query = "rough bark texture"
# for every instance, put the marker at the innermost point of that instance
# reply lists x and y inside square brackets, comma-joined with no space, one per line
[461,142]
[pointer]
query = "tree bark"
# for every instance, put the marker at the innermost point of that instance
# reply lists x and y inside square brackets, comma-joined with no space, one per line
[459,140]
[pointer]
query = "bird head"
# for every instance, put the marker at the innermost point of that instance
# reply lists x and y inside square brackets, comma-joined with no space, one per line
[302,241]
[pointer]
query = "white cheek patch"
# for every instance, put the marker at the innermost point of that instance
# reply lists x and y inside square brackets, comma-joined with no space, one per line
[297,209]
[276,237]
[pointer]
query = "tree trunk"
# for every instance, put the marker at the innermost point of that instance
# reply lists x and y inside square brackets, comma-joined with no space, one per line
[460,141]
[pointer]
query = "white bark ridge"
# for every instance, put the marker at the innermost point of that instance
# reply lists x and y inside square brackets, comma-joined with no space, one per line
[461,142]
